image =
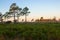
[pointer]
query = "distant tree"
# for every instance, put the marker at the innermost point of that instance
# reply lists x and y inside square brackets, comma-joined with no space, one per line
[19,14]
[54,19]
[25,12]
[32,20]
[41,18]
[6,15]
[14,11]
[1,15]
[37,20]
[22,20]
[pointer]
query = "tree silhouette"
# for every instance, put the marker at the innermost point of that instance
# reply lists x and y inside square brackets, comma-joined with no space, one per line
[6,15]
[54,18]
[25,12]
[1,15]
[19,14]
[14,11]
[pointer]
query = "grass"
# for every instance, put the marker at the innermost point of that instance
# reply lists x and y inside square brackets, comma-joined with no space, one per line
[31,31]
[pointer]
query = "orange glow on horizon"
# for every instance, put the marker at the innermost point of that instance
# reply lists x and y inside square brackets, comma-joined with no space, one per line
[29,18]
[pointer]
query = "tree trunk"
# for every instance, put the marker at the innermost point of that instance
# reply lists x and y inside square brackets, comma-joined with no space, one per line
[25,18]
[17,17]
[14,17]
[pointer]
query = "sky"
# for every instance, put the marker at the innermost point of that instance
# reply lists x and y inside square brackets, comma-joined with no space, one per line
[38,8]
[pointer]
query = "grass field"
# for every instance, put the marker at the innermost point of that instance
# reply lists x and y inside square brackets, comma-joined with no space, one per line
[30,31]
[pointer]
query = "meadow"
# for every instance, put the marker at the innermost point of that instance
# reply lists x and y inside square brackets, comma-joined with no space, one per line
[30,31]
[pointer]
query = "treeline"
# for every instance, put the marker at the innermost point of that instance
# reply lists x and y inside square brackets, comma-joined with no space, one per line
[15,12]
[47,20]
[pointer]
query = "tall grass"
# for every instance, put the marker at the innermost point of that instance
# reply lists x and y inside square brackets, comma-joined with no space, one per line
[30,31]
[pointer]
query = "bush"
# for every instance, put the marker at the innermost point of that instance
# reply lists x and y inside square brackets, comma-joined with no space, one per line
[8,22]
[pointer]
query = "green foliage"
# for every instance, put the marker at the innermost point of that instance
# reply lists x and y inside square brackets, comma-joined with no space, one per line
[34,31]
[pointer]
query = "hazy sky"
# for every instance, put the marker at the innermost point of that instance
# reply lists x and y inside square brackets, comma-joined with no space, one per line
[38,8]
